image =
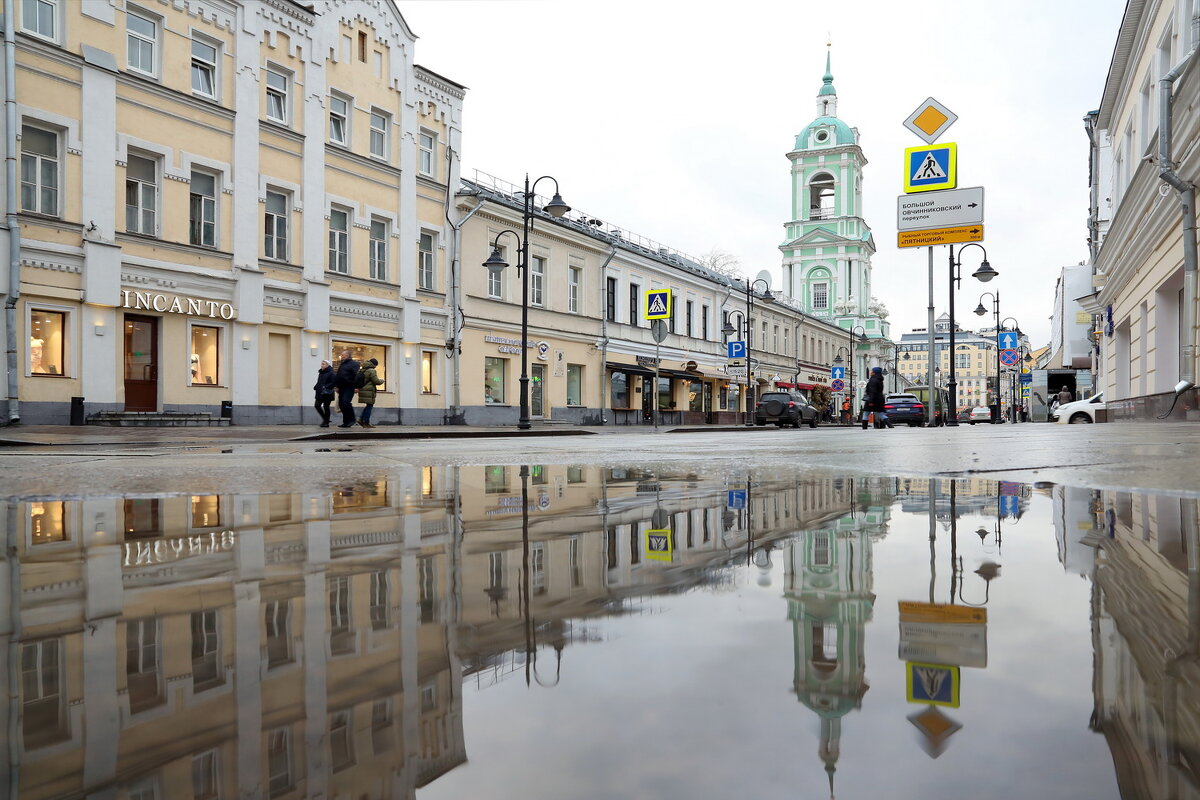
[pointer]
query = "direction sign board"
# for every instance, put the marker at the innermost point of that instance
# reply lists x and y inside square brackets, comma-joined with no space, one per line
[1026,377]
[1008,340]
[735,349]
[930,120]
[658,304]
[965,233]
[942,209]
[837,373]
[930,167]
[944,643]
[916,611]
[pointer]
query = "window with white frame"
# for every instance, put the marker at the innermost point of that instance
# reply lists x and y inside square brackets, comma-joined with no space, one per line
[280,779]
[141,37]
[40,17]
[39,170]
[278,88]
[339,240]
[48,338]
[339,119]
[275,226]
[426,153]
[205,776]
[537,280]
[574,278]
[43,694]
[427,362]
[379,135]
[820,295]
[202,209]
[378,253]
[204,67]
[141,195]
[426,270]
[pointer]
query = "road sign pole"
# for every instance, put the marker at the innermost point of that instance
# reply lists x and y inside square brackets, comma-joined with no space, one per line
[932,352]
[654,394]
[952,386]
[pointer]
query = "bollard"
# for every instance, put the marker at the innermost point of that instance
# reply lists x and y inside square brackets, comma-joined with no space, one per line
[77,411]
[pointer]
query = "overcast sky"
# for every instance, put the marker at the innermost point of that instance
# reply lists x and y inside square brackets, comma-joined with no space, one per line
[673,120]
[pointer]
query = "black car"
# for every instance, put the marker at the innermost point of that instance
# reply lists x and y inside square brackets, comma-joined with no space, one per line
[784,408]
[905,408]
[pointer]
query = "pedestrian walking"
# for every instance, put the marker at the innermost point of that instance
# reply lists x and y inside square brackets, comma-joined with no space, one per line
[846,411]
[1065,396]
[346,382]
[368,380]
[323,391]
[873,400]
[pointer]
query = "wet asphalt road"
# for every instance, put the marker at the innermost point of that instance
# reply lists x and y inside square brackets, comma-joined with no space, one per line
[81,462]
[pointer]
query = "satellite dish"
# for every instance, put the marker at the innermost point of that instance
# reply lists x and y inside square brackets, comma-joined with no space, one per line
[765,277]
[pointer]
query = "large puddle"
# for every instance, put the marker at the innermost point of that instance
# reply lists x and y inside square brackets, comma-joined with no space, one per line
[558,631]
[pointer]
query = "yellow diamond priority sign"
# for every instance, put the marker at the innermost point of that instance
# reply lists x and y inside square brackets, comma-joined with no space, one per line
[930,120]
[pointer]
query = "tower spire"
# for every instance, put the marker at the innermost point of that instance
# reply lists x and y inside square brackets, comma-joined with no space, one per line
[827,96]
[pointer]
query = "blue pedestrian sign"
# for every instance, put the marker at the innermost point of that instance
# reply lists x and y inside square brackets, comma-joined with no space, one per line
[658,304]
[1010,507]
[929,167]
[735,349]
[736,499]
[837,373]
[1008,340]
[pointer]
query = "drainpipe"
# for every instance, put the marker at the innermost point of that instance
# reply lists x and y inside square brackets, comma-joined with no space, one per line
[453,344]
[10,210]
[1187,197]
[604,334]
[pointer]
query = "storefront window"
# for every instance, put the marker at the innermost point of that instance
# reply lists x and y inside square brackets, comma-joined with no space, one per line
[620,390]
[696,396]
[206,356]
[47,522]
[46,351]
[361,352]
[574,384]
[364,497]
[427,372]
[206,511]
[735,395]
[664,393]
[493,379]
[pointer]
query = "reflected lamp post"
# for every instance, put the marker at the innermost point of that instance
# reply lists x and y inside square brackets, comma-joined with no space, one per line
[495,265]
[983,274]
[980,310]
[745,325]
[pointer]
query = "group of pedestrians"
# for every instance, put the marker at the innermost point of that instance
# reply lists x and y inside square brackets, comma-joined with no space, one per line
[348,379]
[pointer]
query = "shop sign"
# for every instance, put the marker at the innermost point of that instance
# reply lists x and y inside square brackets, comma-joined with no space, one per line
[811,378]
[647,361]
[168,304]
[161,551]
[511,504]
[506,344]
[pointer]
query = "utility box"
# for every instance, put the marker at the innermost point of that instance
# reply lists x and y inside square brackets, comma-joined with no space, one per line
[77,411]
[226,409]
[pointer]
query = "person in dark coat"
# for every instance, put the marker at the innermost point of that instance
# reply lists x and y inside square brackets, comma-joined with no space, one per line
[366,392]
[323,391]
[346,382]
[873,400]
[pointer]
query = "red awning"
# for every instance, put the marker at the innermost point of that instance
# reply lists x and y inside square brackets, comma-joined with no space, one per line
[785,385]
[806,385]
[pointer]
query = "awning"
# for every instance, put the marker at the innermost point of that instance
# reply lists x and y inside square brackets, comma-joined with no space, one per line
[785,385]
[632,369]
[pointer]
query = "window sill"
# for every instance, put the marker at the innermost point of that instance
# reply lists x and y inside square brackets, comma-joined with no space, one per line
[207,386]
[44,375]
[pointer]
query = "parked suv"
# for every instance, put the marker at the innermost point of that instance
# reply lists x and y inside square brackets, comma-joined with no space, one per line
[906,408]
[784,408]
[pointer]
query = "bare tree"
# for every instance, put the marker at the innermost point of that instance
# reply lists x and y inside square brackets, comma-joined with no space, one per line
[723,262]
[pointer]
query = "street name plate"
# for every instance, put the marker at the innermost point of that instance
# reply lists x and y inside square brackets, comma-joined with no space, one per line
[967,233]
[944,209]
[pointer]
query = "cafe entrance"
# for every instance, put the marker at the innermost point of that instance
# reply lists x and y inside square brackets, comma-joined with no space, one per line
[141,363]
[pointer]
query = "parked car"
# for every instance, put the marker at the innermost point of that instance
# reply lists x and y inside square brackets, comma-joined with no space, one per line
[941,401]
[980,414]
[1080,411]
[904,408]
[784,408]
[964,415]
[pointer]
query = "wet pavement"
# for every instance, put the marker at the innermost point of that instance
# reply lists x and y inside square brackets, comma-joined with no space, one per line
[1008,611]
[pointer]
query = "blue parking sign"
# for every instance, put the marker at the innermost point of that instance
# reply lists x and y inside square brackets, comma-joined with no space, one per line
[736,499]
[735,349]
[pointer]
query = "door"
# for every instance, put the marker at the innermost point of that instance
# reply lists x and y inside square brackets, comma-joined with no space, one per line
[537,381]
[141,363]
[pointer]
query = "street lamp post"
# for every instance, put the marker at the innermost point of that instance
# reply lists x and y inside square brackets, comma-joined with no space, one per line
[980,311]
[729,330]
[1012,397]
[496,263]
[854,329]
[983,274]
[837,359]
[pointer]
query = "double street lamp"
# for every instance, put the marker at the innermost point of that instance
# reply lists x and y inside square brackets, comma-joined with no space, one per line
[980,311]
[745,324]
[496,264]
[983,274]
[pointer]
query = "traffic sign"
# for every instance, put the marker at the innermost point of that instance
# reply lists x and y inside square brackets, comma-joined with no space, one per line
[930,120]
[1008,340]
[658,304]
[935,684]
[837,385]
[736,372]
[1026,377]
[929,167]
[736,499]
[1009,358]
[966,233]
[659,545]
[1010,507]
[915,611]
[735,349]
[949,207]
[837,373]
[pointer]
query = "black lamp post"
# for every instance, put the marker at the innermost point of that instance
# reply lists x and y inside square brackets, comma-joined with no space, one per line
[837,359]
[984,274]
[980,311]
[1012,396]
[730,330]
[496,263]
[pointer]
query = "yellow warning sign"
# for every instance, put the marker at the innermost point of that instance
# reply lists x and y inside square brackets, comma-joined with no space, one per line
[912,611]
[932,236]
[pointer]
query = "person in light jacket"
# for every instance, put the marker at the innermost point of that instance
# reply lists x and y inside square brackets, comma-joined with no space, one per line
[323,391]
[366,393]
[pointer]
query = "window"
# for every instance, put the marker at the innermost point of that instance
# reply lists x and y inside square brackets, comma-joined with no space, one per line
[202,210]
[671,318]
[48,522]
[493,379]
[687,320]
[496,278]
[339,119]
[141,664]
[44,720]
[47,342]
[206,356]
[39,171]
[377,255]
[495,480]
[635,298]
[339,240]
[279,633]
[665,399]
[275,234]
[427,594]
[206,511]
[574,277]
[40,17]
[341,741]
[362,46]
[379,600]
[619,390]
[427,372]
[426,274]
[820,298]
[574,384]
[341,635]
[205,785]
[279,762]
[206,651]
[141,195]
[425,154]
[379,135]
[360,352]
[537,281]
[610,300]
[141,36]
[537,567]
[704,323]
[277,96]
[204,68]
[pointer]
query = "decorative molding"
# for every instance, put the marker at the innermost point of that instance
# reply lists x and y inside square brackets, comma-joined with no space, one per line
[54,266]
[360,310]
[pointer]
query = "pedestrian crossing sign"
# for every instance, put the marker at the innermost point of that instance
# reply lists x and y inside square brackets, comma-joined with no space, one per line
[658,304]
[930,167]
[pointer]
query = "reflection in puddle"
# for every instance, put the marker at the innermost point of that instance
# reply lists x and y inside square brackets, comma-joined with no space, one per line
[311,645]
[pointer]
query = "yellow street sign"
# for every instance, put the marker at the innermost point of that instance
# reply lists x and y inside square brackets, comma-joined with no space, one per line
[657,304]
[912,611]
[932,236]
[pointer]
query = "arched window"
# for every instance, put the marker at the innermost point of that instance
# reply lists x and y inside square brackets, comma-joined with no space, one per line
[820,196]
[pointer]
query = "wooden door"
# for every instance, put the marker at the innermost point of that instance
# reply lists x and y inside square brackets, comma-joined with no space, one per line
[141,363]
